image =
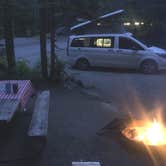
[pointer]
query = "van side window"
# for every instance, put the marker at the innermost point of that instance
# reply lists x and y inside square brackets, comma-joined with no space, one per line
[125,43]
[103,42]
[81,42]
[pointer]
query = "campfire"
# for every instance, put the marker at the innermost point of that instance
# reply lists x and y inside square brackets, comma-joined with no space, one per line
[147,128]
[144,132]
[148,132]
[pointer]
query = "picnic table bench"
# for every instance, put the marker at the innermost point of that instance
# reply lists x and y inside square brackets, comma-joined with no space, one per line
[39,123]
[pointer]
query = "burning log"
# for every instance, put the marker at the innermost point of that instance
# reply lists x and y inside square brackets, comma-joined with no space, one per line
[151,133]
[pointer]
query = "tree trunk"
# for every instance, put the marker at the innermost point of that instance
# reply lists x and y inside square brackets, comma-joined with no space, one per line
[52,33]
[8,32]
[43,39]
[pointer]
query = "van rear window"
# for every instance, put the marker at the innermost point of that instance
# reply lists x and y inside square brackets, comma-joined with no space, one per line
[81,42]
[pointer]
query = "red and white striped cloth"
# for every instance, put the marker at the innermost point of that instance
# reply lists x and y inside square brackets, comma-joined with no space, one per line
[25,91]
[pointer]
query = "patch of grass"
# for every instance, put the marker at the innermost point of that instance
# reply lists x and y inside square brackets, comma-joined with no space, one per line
[22,72]
[3,61]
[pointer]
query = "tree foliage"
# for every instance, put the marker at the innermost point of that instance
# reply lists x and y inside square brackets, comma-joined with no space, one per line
[68,11]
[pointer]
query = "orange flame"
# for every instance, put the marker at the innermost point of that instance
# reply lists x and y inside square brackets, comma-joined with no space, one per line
[148,132]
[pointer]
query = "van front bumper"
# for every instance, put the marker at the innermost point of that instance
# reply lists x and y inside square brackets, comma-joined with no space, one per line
[162,64]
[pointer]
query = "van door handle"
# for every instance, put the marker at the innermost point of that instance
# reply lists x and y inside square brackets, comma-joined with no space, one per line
[109,50]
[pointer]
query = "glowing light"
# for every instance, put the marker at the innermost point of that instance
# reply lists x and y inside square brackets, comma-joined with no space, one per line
[137,23]
[98,24]
[126,23]
[142,23]
[150,133]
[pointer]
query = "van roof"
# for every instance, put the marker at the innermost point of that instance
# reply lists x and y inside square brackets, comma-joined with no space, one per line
[101,35]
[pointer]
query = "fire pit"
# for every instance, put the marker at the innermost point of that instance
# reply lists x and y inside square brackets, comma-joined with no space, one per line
[150,133]
[145,137]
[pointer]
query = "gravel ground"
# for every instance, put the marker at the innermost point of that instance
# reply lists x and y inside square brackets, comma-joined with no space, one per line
[125,88]
[74,120]
[76,117]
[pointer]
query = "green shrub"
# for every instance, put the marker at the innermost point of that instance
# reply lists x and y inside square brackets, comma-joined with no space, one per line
[3,61]
[22,68]
[23,71]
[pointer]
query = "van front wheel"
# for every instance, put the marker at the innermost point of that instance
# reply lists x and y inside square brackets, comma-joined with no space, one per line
[82,64]
[149,67]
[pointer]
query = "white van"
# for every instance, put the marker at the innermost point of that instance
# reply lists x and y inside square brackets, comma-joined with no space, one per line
[114,50]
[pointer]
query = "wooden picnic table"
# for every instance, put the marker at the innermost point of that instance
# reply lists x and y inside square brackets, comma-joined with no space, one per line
[9,103]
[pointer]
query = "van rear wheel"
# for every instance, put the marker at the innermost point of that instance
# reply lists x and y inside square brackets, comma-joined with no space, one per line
[82,64]
[149,67]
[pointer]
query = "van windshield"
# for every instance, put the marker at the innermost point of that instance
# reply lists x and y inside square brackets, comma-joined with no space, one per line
[143,41]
